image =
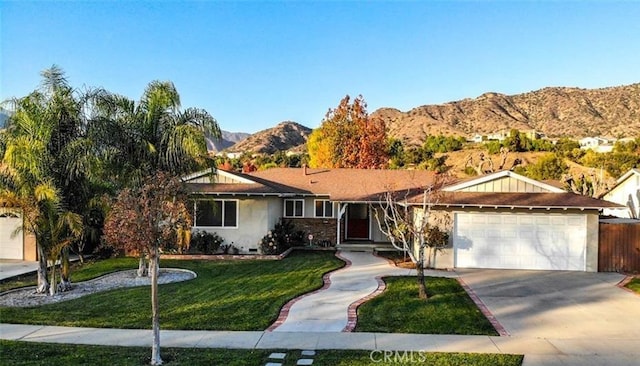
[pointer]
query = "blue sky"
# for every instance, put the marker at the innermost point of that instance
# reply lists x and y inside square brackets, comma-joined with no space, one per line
[254,64]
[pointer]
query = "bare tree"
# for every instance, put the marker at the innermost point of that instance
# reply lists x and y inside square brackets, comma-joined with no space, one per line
[145,220]
[408,223]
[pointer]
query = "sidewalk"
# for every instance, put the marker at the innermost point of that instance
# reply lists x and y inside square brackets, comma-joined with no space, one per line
[537,351]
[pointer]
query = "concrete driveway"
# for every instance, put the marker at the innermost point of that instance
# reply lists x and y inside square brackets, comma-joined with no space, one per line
[560,305]
[11,268]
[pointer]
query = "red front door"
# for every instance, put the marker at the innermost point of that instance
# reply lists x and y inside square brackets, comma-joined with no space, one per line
[358,221]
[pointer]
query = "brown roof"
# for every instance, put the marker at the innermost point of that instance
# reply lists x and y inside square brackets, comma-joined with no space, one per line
[368,185]
[347,184]
[520,200]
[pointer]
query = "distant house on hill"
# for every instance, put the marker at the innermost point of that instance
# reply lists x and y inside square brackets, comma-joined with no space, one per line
[597,144]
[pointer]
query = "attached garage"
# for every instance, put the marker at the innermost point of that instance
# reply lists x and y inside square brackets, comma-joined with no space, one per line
[541,241]
[11,246]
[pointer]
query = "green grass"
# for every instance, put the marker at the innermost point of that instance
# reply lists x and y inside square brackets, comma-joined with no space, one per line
[634,285]
[24,353]
[226,295]
[449,310]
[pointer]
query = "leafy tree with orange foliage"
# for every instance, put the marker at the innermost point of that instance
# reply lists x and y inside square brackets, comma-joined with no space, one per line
[146,219]
[349,138]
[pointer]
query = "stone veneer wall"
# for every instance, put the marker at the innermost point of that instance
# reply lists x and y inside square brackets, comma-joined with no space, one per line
[321,229]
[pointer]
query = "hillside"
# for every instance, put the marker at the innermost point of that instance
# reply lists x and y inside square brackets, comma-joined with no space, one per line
[285,136]
[228,139]
[555,111]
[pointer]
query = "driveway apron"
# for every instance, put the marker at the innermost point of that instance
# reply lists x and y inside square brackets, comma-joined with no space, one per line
[558,304]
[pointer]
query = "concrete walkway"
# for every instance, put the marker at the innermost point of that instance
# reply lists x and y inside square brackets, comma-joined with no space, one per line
[332,308]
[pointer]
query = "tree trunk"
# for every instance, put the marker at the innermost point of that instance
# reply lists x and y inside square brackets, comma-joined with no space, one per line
[155,349]
[52,281]
[422,287]
[43,284]
[65,271]
[142,266]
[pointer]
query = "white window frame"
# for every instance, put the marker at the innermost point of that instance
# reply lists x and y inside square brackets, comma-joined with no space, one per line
[324,209]
[284,214]
[195,213]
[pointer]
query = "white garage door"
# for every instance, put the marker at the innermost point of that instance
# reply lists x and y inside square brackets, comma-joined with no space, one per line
[520,241]
[10,245]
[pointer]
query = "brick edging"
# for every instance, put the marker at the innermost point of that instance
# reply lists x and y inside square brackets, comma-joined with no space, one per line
[352,311]
[483,308]
[623,284]
[326,278]
[272,257]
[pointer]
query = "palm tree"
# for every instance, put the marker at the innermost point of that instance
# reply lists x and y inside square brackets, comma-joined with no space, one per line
[153,135]
[46,162]
[140,139]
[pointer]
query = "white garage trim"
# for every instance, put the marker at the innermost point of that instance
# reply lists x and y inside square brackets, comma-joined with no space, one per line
[544,241]
[11,243]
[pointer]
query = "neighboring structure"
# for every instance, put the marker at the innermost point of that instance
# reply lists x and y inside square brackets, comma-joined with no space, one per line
[626,192]
[501,220]
[14,244]
[499,136]
[504,134]
[597,144]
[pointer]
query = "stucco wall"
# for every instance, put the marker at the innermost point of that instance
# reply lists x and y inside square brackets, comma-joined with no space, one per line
[440,258]
[253,223]
[376,234]
[591,256]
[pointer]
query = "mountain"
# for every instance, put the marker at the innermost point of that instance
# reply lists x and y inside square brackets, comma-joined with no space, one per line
[554,111]
[227,140]
[285,136]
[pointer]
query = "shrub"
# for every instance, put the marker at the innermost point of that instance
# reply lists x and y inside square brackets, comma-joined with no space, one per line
[282,237]
[470,171]
[205,242]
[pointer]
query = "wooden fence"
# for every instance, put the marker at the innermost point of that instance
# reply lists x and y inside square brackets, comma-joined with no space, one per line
[619,247]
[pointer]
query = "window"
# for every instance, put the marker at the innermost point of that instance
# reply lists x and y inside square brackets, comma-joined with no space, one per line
[293,208]
[324,208]
[216,213]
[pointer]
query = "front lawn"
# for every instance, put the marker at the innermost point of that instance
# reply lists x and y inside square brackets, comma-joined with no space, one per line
[634,285]
[449,310]
[226,295]
[25,353]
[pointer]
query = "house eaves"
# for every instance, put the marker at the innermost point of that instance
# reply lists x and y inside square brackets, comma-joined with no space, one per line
[497,175]
[544,201]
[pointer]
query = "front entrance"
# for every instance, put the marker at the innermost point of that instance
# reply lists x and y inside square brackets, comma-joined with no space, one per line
[357,222]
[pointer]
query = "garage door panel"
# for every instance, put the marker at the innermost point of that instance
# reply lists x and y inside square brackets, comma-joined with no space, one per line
[11,246]
[520,241]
